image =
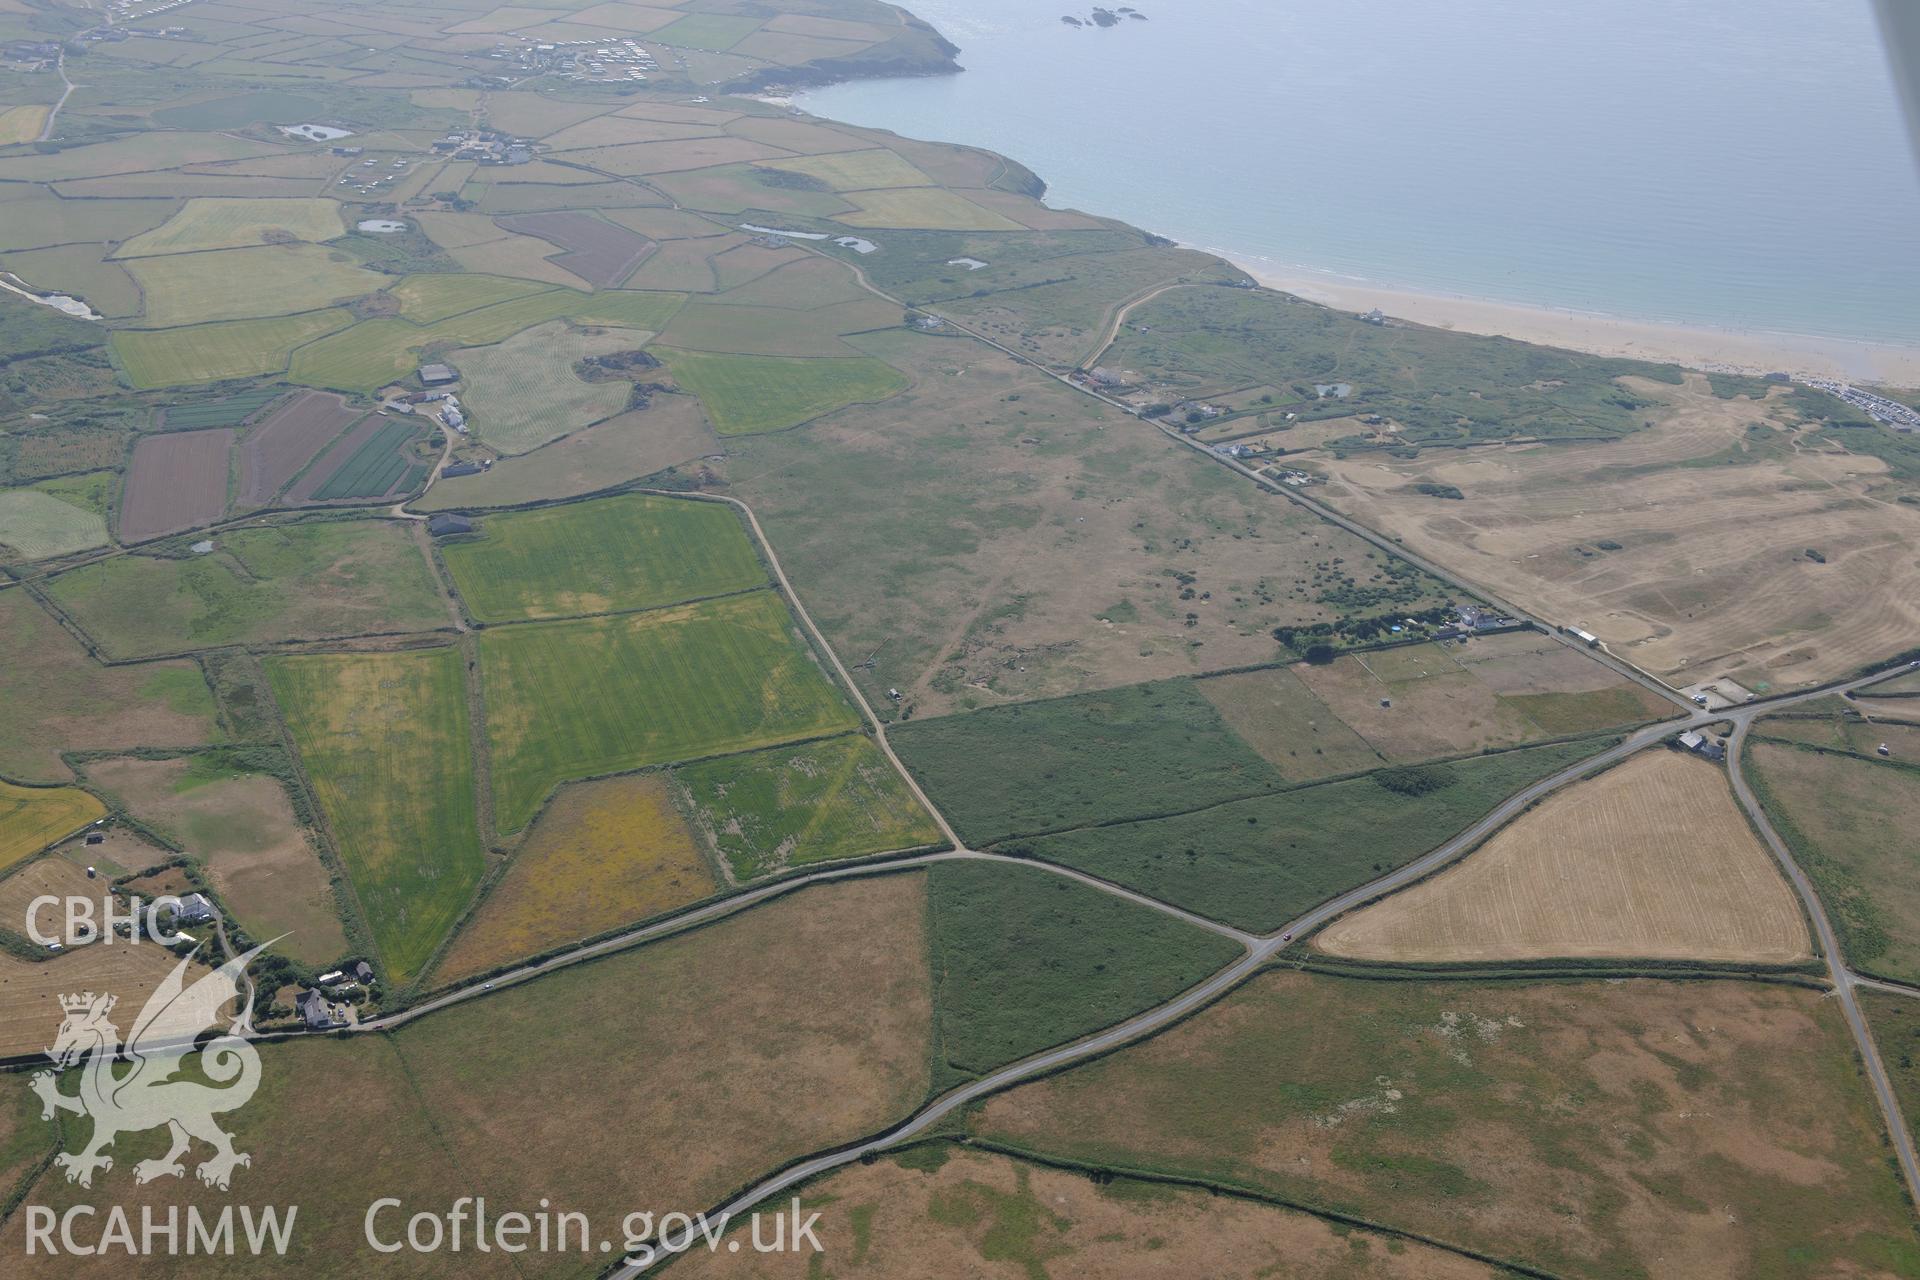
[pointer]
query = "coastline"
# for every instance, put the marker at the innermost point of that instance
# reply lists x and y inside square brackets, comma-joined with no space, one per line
[1716,350]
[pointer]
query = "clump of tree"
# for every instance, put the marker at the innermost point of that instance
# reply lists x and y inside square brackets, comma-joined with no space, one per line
[1414,779]
[1433,490]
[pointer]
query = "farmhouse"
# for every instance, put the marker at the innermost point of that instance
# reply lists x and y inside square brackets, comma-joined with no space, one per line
[194,908]
[320,1013]
[1701,745]
[435,375]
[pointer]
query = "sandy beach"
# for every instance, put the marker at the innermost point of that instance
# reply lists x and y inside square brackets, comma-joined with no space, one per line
[1605,335]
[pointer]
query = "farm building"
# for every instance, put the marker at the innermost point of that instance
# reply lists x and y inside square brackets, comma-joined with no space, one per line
[446,525]
[436,374]
[194,908]
[454,470]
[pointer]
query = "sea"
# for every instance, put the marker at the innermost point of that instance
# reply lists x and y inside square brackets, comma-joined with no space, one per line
[1732,164]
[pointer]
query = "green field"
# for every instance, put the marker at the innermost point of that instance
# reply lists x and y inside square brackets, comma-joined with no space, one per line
[1024,959]
[1258,863]
[384,739]
[237,284]
[216,223]
[1282,719]
[426,299]
[37,525]
[1849,821]
[376,352]
[524,392]
[1124,753]
[747,394]
[855,170]
[229,411]
[259,586]
[716,31]
[1895,1021]
[792,806]
[213,352]
[577,700]
[376,466]
[1582,1129]
[633,551]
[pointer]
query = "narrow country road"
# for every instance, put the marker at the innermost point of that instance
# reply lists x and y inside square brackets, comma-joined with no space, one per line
[60,65]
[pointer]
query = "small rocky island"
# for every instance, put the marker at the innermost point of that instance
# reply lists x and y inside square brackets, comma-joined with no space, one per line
[1104,17]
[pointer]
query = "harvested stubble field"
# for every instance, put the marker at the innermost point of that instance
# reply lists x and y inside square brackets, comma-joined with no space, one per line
[30,992]
[792,806]
[632,551]
[384,739]
[727,675]
[54,698]
[669,432]
[31,818]
[1678,1130]
[943,1211]
[275,450]
[1258,863]
[1849,822]
[178,480]
[603,854]
[1711,518]
[298,581]
[1651,859]
[241,827]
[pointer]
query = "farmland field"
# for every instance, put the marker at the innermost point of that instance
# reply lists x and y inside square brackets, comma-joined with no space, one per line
[1652,858]
[1258,863]
[1279,717]
[212,352]
[236,284]
[30,992]
[54,697]
[599,252]
[947,1210]
[1847,821]
[1024,959]
[1581,1128]
[31,818]
[603,854]
[668,432]
[430,298]
[177,481]
[241,826]
[226,411]
[21,124]
[793,806]
[38,525]
[215,223]
[727,675]
[855,170]
[372,464]
[632,551]
[923,208]
[1413,704]
[748,394]
[707,31]
[775,331]
[384,740]
[258,586]
[276,449]
[1130,752]
[524,392]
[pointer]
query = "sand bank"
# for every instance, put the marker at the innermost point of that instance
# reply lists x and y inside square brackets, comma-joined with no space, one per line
[1714,349]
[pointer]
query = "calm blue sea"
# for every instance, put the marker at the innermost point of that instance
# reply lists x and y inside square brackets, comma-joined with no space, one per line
[1732,163]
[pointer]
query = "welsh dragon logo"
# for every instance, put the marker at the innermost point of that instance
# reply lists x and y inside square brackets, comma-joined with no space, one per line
[144,1092]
